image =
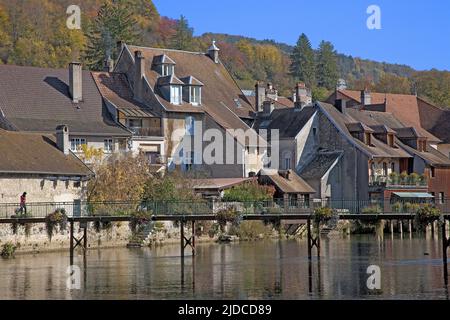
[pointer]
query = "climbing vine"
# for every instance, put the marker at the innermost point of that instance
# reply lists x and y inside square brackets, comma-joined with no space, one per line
[57,218]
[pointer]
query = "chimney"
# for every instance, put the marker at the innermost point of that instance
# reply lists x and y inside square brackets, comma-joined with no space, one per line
[268,107]
[62,138]
[108,64]
[302,95]
[260,96]
[139,72]
[271,92]
[366,98]
[75,81]
[213,52]
[341,105]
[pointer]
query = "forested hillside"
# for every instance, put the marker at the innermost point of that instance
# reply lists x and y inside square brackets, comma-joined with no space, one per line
[34,32]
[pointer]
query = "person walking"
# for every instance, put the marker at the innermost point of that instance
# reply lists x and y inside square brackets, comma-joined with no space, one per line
[23,203]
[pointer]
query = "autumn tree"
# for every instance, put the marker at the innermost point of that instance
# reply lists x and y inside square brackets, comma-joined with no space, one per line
[392,83]
[183,38]
[302,66]
[114,22]
[173,186]
[327,69]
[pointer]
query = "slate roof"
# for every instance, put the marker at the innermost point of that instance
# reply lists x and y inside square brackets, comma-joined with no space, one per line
[33,153]
[115,88]
[289,122]
[319,165]
[38,100]
[190,80]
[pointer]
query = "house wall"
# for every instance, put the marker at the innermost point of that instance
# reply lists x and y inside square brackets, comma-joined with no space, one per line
[349,180]
[444,148]
[307,142]
[39,190]
[378,166]
[440,183]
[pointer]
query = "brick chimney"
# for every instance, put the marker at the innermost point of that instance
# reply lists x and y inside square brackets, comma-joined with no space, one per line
[62,138]
[213,52]
[366,97]
[268,107]
[302,95]
[139,72]
[260,96]
[271,92]
[76,81]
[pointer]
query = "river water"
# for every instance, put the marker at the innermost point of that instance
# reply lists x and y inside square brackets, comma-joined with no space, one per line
[410,268]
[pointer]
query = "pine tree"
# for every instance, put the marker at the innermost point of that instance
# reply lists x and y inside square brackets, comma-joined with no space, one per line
[183,38]
[327,69]
[303,65]
[114,22]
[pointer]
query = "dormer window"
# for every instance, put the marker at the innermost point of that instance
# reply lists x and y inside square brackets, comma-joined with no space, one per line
[367,138]
[192,90]
[164,65]
[175,94]
[167,69]
[390,140]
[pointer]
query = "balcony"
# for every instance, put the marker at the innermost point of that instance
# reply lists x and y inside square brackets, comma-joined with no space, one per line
[395,180]
[146,132]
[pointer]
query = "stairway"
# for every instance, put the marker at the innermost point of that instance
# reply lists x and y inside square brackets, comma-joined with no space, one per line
[138,240]
[330,225]
[295,229]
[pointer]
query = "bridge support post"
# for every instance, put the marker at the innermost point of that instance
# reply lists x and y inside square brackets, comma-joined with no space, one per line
[71,243]
[182,239]
[445,245]
[184,242]
[313,241]
[75,242]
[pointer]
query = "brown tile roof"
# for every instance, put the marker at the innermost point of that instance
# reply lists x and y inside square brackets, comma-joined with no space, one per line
[115,88]
[191,81]
[403,106]
[376,150]
[358,127]
[37,99]
[32,153]
[218,183]
[295,184]
[162,59]
[167,80]
[221,96]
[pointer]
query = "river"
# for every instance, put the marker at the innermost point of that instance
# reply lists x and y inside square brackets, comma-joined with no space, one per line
[410,268]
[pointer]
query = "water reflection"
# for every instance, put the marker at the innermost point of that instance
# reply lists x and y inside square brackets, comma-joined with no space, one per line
[411,268]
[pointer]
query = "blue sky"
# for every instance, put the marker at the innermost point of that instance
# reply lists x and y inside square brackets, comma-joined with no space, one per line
[414,32]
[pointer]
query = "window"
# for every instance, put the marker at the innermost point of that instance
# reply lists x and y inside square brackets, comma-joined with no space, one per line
[77,184]
[392,167]
[367,138]
[287,163]
[432,172]
[175,94]
[108,145]
[135,123]
[195,93]
[167,70]
[441,198]
[76,143]
[189,125]
[390,139]
[314,132]
[385,169]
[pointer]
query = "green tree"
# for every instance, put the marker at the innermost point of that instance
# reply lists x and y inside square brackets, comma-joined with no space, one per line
[327,69]
[391,83]
[114,22]
[303,65]
[183,38]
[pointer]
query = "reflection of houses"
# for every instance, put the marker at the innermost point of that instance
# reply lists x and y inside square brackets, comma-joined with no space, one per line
[38,100]
[192,92]
[145,125]
[42,166]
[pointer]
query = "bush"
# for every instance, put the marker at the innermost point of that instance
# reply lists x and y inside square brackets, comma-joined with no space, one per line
[426,215]
[59,217]
[139,219]
[248,192]
[322,214]
[227,215]
[8,250]
[251,230]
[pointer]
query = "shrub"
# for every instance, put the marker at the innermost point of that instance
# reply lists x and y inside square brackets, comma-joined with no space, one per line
[394,177]
[139,219]
[322,214]
[414,178]
[426,215]
[59,217]
[227,215]
[8,250]
[397,207]
[251,230]
[248,192]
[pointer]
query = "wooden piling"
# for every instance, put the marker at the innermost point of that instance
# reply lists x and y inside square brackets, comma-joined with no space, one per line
[182,239]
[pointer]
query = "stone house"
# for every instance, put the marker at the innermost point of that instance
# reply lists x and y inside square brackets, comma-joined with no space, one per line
[38,100]
[192,92]
[42,166]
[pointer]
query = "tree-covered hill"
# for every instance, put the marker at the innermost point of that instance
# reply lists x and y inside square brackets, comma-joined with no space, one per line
[34,32]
